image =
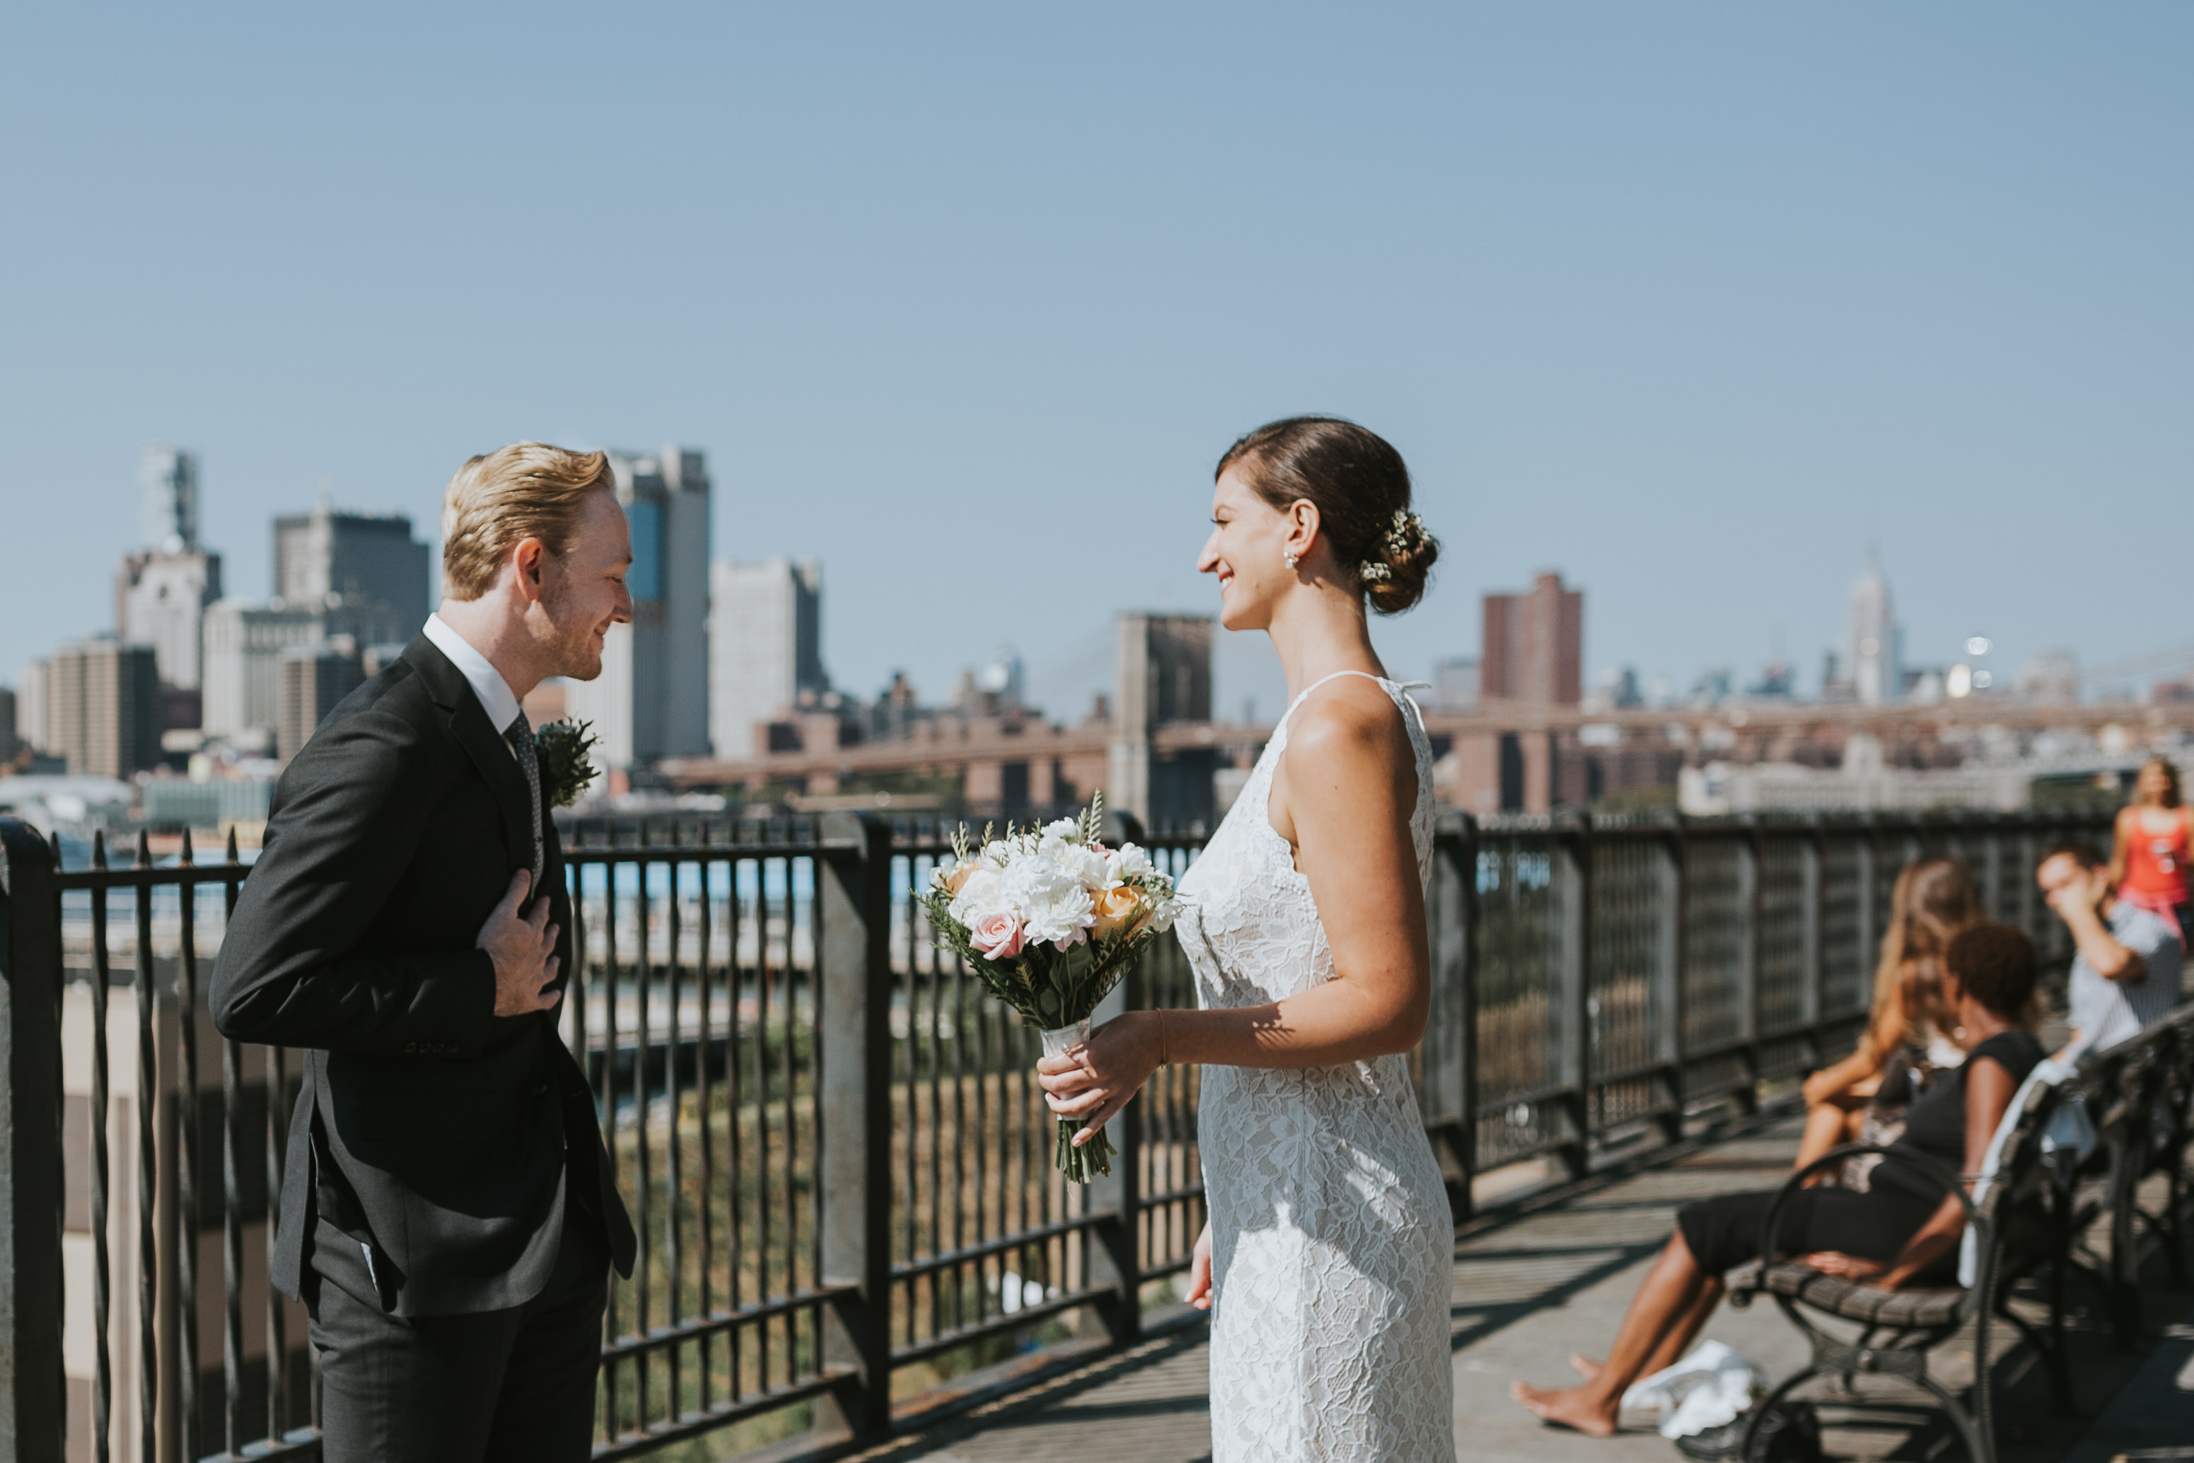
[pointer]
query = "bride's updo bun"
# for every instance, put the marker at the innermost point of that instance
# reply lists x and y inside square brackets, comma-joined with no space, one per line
[1360,487]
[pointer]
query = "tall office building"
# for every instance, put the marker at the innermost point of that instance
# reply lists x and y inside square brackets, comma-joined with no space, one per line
[168,517]
[1534,645]
[30,706]
[103,707]
[1871,648]
[309,681]
[161,590]
[363,571]
[244,645]
[1161,674]
[31,702]
[766,647]
[160,600]
[8,740]
[652,698]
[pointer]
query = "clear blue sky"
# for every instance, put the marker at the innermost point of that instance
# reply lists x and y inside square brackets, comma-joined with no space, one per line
[1686,300]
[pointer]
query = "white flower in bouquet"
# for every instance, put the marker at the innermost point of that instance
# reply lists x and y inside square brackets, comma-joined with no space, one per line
[1054,904]
[1088,866]
[1130,862]
[979,890]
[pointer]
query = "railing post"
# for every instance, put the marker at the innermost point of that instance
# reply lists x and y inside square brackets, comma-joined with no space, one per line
[853,1058]
[1583,1007]
[1679,853]
[1587,999]
[1816,881]
[1453,908]
[1752,865]
[32,1391]
[1658,853]
[1868,846]
[1114,1253]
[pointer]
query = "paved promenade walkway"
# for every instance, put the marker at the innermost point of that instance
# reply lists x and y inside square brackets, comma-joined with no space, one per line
[1528,1291]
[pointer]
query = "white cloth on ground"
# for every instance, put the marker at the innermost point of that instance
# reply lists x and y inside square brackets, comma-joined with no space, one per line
[1706,1389]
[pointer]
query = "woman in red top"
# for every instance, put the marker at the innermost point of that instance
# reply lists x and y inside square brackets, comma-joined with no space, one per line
[2154,840]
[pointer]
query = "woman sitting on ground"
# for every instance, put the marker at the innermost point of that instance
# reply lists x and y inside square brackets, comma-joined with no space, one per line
[1933,901]
[1902,1228]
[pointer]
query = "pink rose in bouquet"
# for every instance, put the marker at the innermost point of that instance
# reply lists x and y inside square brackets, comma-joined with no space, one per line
[999,936]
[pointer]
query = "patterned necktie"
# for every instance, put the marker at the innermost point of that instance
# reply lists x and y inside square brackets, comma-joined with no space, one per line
[520,737]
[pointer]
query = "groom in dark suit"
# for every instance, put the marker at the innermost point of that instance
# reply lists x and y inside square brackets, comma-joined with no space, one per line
[449,1214]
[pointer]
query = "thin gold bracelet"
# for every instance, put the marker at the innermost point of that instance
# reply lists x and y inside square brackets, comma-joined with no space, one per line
[1161,1036]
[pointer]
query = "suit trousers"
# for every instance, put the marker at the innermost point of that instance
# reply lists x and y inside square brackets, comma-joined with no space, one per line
[491,1387]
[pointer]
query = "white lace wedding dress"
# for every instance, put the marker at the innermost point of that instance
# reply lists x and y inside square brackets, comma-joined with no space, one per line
[1330,1228]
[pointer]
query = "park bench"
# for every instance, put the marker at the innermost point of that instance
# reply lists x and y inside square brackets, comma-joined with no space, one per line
[2028,1219]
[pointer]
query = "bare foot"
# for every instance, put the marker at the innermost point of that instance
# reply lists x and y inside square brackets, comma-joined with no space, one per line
[1573,1407]
[1584,1366]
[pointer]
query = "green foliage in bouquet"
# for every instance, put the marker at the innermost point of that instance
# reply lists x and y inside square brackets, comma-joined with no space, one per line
[564,751]
[1050,920]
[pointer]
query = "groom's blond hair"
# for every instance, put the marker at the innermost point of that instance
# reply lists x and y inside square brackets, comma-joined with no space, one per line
[526,490]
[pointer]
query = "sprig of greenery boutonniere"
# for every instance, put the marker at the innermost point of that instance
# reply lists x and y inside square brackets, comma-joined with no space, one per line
[562,749]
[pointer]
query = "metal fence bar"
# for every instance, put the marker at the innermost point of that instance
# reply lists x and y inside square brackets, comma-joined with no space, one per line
[148,1173]
[611,1374]
[234,1430]
[1814,872]
[643,1194]
[1574,881]
[1679,1003]
[33,1391]
[705,1147]
[853,1053]
[102,1390]
[1114,1256]
[186,1155]
[1752,970]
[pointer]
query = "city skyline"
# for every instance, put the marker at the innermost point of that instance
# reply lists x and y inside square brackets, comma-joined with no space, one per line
[1688,306]
[1071,685]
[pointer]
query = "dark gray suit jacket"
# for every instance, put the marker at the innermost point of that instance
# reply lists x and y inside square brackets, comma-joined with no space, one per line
[430,1132]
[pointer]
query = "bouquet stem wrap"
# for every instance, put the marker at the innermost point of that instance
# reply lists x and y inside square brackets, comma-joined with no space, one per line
[1082,1164]
[1050,919]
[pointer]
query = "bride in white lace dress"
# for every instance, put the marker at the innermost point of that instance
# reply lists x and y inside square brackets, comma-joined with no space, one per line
[1328,1251]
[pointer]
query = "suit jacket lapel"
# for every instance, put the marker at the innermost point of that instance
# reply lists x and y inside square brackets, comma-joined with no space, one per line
[483,743]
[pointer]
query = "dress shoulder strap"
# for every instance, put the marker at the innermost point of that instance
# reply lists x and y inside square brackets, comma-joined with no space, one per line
[1399,690]
[1322,680]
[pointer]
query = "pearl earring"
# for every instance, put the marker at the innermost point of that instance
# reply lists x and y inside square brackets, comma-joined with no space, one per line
[1290,560]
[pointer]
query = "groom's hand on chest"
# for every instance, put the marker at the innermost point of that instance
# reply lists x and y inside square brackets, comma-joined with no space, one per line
[522,943]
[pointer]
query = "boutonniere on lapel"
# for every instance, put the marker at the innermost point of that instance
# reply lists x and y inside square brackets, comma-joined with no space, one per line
[563,749]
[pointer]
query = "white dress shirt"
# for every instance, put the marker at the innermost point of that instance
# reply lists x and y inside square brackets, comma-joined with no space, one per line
[2106,1012]
[496,696]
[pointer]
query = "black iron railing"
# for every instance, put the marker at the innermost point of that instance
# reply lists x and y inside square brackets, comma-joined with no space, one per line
[834,1152]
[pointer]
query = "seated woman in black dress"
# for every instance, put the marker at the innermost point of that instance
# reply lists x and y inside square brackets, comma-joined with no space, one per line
[1897,1231]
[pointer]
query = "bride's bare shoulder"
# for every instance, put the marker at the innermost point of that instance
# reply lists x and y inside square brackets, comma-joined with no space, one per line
[1353,719]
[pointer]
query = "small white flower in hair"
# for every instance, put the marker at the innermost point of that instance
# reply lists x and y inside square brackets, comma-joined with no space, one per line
[1405,536]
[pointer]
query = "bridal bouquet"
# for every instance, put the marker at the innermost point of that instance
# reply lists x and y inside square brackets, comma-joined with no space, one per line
[1050,919]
